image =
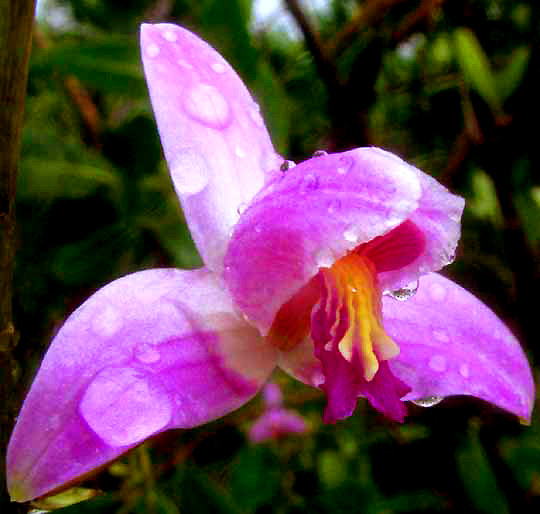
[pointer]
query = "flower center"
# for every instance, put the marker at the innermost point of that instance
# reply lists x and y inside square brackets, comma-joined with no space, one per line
[348,316]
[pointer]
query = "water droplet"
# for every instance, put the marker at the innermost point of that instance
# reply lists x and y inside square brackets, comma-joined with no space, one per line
[218,67]
[437,363]
[350,235]
[345,164]
[184,64]
[428,401]
[239,151]
[441,335]
[189,172]
[405,292]
[258,229]
[324,258]
[464,370]
[309,183]
[437,292]
[170,35]
[152,50]
[123,407]
[334,205]
[241,208]
[287,165]
[147,353]
[256,117]
[319,153]
[107,322]
[205,104]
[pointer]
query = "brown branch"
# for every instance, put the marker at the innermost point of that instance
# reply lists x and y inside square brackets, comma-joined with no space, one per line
[371,13]
[15,42]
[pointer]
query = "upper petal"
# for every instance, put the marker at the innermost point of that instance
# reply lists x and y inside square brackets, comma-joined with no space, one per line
[309,217]
[437,219]
[451,343]
[215,141]
[153,350]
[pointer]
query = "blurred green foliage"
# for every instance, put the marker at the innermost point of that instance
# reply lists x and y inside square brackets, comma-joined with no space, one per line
[450,85]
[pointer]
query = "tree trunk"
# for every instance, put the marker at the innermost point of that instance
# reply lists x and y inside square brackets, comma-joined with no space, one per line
[15,38]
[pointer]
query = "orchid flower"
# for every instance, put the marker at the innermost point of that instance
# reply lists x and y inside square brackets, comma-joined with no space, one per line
[296,263]
[275,422]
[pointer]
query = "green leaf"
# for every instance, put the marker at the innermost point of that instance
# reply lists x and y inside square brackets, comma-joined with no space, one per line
[109,64]
[47,179]
[477,476]
[510,77]
[476,67]
[255,478]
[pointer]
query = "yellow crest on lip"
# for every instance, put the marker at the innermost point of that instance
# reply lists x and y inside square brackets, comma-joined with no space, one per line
[353,292]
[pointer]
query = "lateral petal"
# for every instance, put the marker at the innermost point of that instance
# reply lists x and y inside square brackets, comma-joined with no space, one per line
[215,140]
[452,344]
[154,350]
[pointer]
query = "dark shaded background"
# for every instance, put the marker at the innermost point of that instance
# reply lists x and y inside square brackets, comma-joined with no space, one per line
[449,85]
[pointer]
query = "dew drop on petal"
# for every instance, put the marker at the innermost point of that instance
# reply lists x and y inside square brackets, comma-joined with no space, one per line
[241,208]
[170,35]
[309,183]
[464,370]
[437,292]
[218,67]
[324,258]
[345,164]
[405,292]
[184,64]
[147,353]
[107,322]
[122,407]
[319,153]
[205,104]
[287,165]
[441,335]
[334,206]
[437,363]
[256,117]
[428,401]
[189,171]
[350,235]
[152,50]
[239,151]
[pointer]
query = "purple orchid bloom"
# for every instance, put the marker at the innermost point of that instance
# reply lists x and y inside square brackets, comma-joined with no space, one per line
[296,263]
[275,422]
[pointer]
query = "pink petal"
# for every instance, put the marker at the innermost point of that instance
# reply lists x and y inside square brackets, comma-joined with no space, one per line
[215,141]
[438,219]
[275,424]
[154,350]
[451,344]
[307,218]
